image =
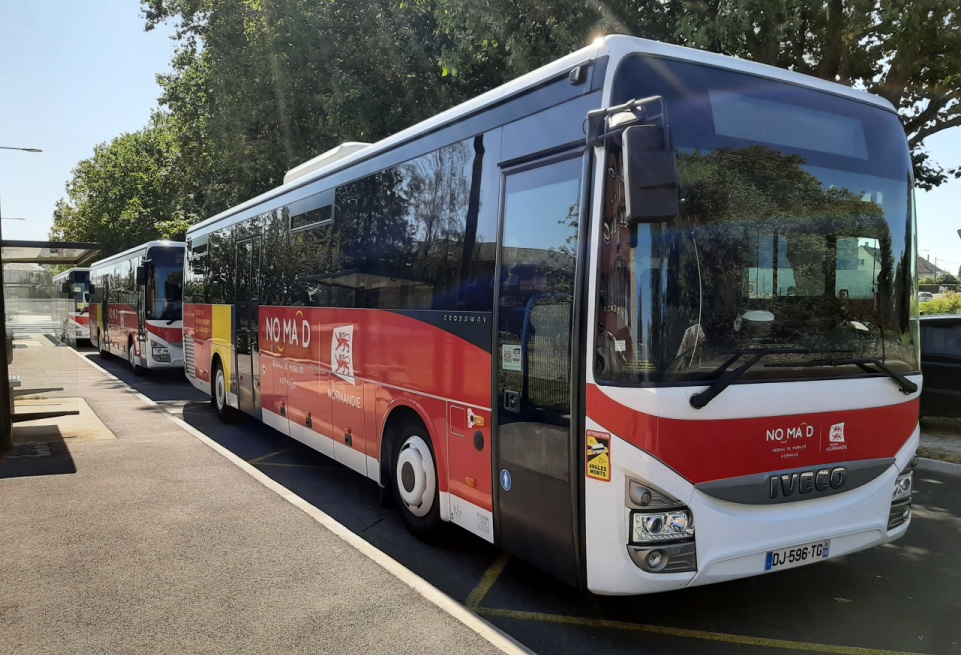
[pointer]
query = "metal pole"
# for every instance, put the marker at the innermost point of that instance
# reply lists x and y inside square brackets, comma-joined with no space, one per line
[6,398]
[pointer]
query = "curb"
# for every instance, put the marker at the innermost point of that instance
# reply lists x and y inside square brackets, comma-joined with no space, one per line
[937,466]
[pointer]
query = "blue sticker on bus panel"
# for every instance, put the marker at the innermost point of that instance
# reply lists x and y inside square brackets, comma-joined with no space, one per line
[506,480]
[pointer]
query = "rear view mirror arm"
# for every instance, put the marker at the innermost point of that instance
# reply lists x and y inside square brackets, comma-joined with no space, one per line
[598,131]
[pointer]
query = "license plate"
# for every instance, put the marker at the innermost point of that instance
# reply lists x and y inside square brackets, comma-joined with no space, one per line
[787,558]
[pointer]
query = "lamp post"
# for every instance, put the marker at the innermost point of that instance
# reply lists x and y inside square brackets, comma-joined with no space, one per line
[6,404]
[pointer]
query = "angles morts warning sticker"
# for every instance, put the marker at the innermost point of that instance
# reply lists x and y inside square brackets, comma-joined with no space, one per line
[599,455]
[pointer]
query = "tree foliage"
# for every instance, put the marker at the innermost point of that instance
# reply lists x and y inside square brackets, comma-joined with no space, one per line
[128,192]
[259,86]
[907,51]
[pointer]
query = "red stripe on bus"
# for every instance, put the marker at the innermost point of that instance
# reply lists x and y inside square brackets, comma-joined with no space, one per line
[702,451]
[342,371]
[170,335]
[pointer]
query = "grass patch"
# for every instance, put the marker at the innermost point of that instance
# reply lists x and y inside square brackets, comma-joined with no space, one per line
[937,453]
[944,427]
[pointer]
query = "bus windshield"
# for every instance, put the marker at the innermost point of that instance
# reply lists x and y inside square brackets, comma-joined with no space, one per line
[165,285]
[80,283]
[795,236]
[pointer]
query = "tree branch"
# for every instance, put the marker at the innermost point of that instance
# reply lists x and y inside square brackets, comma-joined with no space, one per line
[919,138]
[930,112]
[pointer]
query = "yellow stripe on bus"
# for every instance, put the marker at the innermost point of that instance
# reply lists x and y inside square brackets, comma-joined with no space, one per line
[221,329]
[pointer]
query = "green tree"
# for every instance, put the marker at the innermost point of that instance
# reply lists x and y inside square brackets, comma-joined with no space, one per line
[259,86]
[130,191]
[907,51]
[946,278]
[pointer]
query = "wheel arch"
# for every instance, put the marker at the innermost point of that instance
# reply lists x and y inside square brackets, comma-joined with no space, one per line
[399,414]
[217,360]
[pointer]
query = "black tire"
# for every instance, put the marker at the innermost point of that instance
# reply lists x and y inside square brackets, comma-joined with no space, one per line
[218,393]
[104,353]
[414,482]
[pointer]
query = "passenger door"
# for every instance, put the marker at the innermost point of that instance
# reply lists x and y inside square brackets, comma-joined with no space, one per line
[536,476]
[247,306]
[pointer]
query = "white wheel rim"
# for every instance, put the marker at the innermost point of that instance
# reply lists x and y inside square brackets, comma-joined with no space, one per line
[221,389]
[415,476]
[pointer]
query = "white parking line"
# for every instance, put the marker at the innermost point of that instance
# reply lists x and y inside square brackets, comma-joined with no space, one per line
[479,626]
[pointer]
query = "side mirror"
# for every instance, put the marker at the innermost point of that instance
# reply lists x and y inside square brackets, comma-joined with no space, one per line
[92,288]
[650,175]
[141,275]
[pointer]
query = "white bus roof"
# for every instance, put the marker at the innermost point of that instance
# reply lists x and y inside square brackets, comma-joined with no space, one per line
[127,254]
[64,274]
[616,47]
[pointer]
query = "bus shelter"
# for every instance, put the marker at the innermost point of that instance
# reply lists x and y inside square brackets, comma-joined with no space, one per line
[31,310]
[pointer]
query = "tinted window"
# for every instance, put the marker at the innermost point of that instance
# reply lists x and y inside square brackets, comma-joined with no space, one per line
[412,233]
[220,287]
[794,231]
[195,272]
[941,338]
[318,209]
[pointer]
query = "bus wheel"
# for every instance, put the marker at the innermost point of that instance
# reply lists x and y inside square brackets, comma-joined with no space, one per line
[415,482]
[104,353]
[218,393]
[131,357]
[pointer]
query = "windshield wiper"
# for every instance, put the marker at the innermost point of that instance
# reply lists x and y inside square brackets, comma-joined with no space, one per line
[861,362]
[701,399]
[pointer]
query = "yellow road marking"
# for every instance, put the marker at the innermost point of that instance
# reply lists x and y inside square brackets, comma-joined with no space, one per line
[490,577]
[683,632]
[269,455]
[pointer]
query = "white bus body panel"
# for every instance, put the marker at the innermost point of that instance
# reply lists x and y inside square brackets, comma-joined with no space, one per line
[731,539]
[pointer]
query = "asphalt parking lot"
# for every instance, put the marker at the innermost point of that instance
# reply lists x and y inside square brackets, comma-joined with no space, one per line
[900,598]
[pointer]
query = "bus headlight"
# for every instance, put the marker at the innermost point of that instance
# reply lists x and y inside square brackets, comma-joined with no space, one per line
[160,353]
[661,530]
[902,487]
[901,501]
[656,527]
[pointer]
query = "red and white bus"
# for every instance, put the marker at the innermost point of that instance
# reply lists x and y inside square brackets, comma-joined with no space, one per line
[136,308]
[74,285]
[643,317]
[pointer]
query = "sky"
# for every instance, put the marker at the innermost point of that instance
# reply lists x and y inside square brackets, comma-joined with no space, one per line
[76,73]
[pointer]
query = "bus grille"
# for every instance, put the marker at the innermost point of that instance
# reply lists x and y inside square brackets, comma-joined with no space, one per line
[190,366]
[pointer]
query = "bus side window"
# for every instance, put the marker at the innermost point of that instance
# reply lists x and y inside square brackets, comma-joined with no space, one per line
[195,284]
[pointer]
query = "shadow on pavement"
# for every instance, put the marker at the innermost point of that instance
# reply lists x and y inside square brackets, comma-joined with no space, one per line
[36,451]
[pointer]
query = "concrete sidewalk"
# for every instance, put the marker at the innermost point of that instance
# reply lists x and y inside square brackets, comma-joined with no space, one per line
[152,542]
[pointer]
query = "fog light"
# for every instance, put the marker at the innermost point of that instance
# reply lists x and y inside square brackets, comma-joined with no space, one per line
[640,496]
[656,559]
[643,495]
[666,558]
